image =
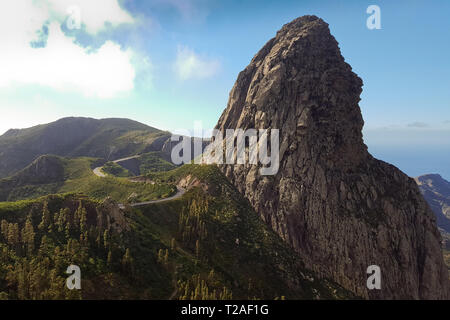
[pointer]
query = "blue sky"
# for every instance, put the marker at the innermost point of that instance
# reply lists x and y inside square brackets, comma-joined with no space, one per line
[168,63]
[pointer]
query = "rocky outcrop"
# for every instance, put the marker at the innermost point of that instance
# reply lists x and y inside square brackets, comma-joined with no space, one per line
[45,169]
[111,216]
[337,206]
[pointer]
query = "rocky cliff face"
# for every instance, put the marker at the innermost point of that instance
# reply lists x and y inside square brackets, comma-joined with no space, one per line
[339,208]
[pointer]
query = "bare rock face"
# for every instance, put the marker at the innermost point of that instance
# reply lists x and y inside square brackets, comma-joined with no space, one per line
[339,208]
[112,216]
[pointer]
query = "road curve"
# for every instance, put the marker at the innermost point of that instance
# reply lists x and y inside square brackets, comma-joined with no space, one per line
[128,158]
[180,191]
[98,172]
[179,194]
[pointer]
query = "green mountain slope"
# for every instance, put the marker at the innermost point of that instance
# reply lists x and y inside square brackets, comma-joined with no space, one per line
[78,137]
[207,244]
[53,174]
[146,163]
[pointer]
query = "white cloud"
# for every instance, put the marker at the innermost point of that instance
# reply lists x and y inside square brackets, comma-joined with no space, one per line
[189,65]
[61,64]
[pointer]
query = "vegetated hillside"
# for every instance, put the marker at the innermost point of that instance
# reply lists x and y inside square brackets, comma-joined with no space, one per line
[146,163]
[53,174]
[207,244]
[116,170]
[75,137]
[39,239]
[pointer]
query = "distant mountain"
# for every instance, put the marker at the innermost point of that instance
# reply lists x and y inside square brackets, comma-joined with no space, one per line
[436,191]
[75,137]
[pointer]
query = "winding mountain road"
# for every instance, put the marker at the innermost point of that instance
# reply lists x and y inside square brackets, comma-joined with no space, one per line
[98,171]
[180,191]
[179,194]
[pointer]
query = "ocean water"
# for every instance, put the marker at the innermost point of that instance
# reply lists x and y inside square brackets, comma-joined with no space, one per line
[415,161]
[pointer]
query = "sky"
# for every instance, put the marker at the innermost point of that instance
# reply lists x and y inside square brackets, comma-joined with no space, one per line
[169,63]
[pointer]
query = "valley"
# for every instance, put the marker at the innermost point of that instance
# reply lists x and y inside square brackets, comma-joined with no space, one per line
[142,252]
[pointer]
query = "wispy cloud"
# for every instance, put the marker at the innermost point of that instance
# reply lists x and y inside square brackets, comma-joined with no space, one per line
[190,10]
[189,65]
[418,125]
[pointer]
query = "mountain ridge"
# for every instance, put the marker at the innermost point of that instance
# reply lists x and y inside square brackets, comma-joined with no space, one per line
[109,138]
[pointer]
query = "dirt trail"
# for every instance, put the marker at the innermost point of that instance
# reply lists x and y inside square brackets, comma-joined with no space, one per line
[179,194]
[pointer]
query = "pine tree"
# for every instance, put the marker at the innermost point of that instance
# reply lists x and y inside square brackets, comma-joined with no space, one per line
[197,248]
[62,219]
[13,235]
[109,260]
[28,236]
[166,257]
[160,256]
[4,229]
[106,239]
[44,247]
[68,228]
[83,220]
[46,219]
[77,215]
[127,262]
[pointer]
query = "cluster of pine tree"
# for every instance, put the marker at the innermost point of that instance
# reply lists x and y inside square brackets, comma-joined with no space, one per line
[35,254]
[201,287]
[192,233]
[192,224]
